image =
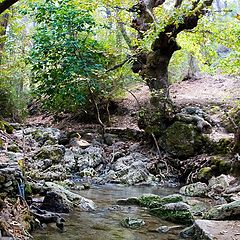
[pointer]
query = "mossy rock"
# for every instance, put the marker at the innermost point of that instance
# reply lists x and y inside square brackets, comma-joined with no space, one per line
[154,201]
[152,121]
[233,113]
[220,164]
[223,146]
[132,223]
[52,152]
[182,140]
[148,199]
[229,211]
[205,173]
[1,143]
[174,212]
[13,148]
[6,127]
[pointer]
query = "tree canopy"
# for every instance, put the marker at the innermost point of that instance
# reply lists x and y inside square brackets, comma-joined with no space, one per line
[73,52]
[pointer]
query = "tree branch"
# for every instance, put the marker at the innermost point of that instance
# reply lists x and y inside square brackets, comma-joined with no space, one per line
[120,64]
[6,4]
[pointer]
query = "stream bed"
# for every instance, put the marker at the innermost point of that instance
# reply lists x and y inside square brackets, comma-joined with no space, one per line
[104,223]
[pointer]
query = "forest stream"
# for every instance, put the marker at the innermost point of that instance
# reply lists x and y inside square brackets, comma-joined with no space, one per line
[104,222]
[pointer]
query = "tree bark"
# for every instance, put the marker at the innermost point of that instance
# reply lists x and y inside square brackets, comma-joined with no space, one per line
[153,66]
[5,4]
[3,27]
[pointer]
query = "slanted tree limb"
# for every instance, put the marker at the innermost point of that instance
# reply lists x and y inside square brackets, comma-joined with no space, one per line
[5,4]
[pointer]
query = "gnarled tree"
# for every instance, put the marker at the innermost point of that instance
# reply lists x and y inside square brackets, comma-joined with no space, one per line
[153,65]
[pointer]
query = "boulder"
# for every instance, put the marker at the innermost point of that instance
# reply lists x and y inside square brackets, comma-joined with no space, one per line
[53,152]
[197,189]
[43,135]
[90,157]
[132,169]
[54,202]
[170,208]
[70,198]
[174,212]
[222,181]
[152,200]
[182,140]
[227,211]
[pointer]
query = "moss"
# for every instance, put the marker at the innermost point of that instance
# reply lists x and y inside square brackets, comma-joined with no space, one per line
[149,199]
[220,165]
[154,201]
[176,216]
[28,189]
[223,146]
[13,148]
[1,143]
[6,127]
[152,121]
[182,140]
[205,173]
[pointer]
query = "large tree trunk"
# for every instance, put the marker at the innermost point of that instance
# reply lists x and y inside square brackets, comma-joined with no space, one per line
[153,66]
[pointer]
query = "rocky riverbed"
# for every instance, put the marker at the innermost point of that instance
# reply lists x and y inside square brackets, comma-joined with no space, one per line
[46,173]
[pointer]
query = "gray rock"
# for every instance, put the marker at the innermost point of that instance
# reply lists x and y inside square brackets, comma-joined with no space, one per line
[132,223]
[224,211]
[222,180]
[53,152]
[197,189]
[55,202]
[188,232]
[71,198]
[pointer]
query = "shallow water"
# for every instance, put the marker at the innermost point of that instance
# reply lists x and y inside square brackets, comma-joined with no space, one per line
[104,223]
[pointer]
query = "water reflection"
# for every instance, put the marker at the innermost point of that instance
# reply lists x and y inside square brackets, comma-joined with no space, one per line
[104,223]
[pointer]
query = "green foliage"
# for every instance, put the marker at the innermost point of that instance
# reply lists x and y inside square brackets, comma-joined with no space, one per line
[207,42]
[66,58]
[14,73]
[70,56]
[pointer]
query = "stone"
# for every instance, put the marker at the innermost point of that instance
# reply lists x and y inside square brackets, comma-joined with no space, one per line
[153,201]
[174,212]
[227,211]
[197,189]
[54,202]
[90,157]
[13,148]
[128,201]
[182,140]
[8,184]
[188,232]
[71,198]
[53,152]
[168,229]
[41,134]
[132,223]
[216,230]
[222,180]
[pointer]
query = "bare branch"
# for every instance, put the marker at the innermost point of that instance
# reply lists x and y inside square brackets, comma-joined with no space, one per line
[4,5]
[178,3]
[121,64]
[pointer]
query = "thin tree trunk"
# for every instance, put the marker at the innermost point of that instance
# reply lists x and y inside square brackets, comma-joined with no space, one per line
[3,29]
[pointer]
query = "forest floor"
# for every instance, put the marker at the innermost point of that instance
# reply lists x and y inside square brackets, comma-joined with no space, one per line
[213,94]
